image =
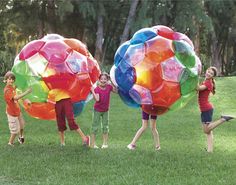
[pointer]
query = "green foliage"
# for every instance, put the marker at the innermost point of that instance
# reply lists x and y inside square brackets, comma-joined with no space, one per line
[142,13]
[23,21]
[88,9]
[188,16]
[182,159]
[64,7]
[6,62]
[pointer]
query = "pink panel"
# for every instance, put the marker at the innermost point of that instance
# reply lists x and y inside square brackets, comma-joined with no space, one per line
[164,31]
[77,62]
[30,49]
[55,51]
[181,36]
[172,70]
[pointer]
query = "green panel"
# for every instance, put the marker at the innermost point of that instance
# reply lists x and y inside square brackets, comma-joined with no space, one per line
[26,79]
[189,85]
[39,92]
[188,82]
[182,101]
[21,71]
[184,53]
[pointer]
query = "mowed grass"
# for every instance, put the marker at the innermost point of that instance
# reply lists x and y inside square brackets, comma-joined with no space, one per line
[182,159]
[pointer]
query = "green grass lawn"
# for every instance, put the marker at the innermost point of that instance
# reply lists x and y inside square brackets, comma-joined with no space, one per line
[182,159]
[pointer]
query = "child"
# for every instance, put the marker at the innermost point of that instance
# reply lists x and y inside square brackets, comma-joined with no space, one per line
[101,95]
[206,108]
[14,115]
[145,118]
[64,109]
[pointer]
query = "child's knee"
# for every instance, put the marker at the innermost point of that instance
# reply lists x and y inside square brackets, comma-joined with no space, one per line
[206,131]
[105,129]
[153,129]
[144,127]
[94,130]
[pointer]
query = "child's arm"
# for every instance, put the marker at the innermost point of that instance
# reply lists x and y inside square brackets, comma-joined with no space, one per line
[95,95]
[201,87]
[114,88]
[19,96]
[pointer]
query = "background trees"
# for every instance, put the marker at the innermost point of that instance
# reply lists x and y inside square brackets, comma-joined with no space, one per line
[104,24]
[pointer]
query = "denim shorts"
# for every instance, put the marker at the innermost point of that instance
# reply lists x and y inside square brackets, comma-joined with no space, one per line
[146,116]
[206,116]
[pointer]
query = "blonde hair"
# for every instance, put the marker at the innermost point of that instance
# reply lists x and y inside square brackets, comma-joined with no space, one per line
[9,75]
[214,69]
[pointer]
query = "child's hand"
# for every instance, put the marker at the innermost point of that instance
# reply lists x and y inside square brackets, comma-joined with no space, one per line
[92,89]
[29,90]
[27,103]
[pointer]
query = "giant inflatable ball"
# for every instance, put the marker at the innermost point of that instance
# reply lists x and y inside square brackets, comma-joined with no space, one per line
[53,66]
[157,69]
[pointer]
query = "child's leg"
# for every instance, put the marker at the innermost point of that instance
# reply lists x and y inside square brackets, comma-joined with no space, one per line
[210,142]
[155,133]
[68,109]
[81,133]
[140,132]
[215,124]
[93,139]
[14,127]
[105,128]
[95,127]
[209,136]
[61,122]
[22,125]
[62,137]
[86,139]
[105,140]
[12,138]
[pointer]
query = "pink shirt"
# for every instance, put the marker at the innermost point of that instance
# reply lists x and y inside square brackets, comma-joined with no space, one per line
[104,98]
[203,96]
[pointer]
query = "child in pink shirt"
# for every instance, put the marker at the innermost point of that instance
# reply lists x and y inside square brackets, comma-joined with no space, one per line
[101,95]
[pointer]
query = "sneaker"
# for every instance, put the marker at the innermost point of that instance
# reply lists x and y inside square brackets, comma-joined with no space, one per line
[86,142]
[227,117]
[21,140]
[157,148]
[63,144]
[131,147]
[104,146]
[95,147]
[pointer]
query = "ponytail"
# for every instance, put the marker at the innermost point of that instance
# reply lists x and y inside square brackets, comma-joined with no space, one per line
[214,69]
[214,86]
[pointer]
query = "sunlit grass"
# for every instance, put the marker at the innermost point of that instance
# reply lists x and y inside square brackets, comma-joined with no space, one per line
[182,159]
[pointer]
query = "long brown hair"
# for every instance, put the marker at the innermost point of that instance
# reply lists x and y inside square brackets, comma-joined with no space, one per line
[214,69]
[8,75]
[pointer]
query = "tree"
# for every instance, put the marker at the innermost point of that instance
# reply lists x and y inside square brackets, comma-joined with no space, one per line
[129,21]
[99,39]
[51,16]
[222,14]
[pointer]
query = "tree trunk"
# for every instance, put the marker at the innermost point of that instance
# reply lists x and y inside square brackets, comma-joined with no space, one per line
[41,20]
[84,36]
[216,57]
[196,41]
[129,21]
[99,40]
[51,14]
